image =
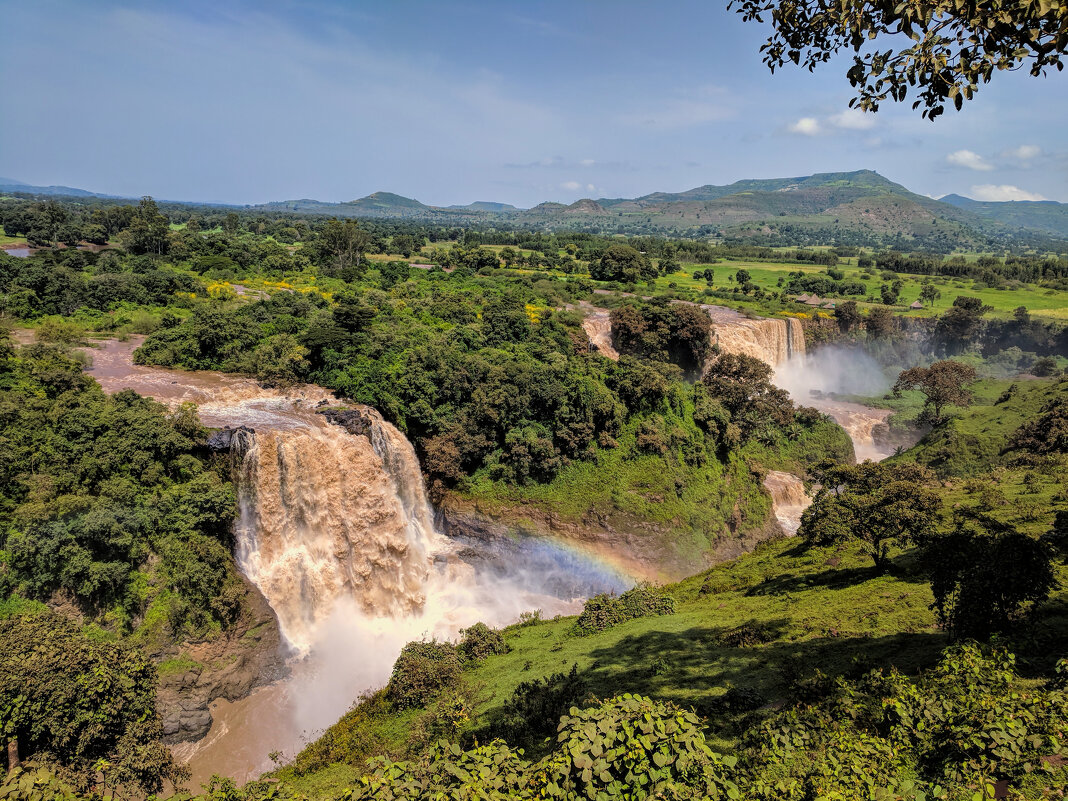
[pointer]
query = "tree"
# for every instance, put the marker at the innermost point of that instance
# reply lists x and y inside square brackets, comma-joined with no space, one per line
[622,263]
[743,277]
[960,325]
[847,315]
[405,245]
[1045,367]
[83,705]
[880,323]
[890,293]
[342,245]
[148,229]
[942,384]
[742,384]
[985,575]
[873,503]
[1047,433]
[929,293]
[952,47]
[668,266]
[280,360]
[505,320]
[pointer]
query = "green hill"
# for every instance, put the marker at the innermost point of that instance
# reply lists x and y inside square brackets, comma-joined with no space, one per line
[1046,216]
[980,437]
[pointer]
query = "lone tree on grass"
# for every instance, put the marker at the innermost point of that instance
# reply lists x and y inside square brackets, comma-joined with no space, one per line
[942,384]
[986,576]
[871,503]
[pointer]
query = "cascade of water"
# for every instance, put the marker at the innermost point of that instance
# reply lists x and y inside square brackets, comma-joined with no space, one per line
[323,516]
[772,340]
[788,499]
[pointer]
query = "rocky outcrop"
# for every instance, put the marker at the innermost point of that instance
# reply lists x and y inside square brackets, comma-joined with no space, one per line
[222,439]
[230,666]
[643,549]
[358,422]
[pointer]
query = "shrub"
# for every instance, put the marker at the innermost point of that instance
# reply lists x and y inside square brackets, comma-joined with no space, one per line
[422,671]
[481,641]
[531,714]
[646,601]
[601,612]
[986,581]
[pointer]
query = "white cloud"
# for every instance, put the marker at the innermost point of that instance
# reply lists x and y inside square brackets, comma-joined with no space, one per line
[688,107]
[1000,192]
[806,126]
[852,120]
[970,160]
[578,186]
[587,162]
[1025,152]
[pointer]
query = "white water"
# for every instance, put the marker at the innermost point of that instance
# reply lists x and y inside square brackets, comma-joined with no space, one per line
[810,379]
[788,499]
[337,533]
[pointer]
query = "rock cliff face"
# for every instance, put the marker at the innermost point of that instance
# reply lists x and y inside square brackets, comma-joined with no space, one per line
[221,439]
[230,666]
[640,548]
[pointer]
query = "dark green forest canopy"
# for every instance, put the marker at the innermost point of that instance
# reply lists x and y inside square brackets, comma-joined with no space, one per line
[91,485]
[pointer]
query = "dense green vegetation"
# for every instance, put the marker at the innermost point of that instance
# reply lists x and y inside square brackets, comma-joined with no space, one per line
[800,671]
[96,488]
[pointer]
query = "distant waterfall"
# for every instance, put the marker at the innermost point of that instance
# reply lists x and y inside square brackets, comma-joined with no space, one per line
[773,340]
[788,499]
[326,515]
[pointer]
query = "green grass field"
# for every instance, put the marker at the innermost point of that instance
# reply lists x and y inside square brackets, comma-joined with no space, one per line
[1040,301]
[757,623]
[11,240]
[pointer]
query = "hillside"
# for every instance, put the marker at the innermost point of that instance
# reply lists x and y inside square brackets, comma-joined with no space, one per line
[11,185]
[1046,216]
[860,208]
[980,437]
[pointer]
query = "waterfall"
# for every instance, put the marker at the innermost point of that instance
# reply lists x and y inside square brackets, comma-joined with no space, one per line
[597,323]
[774,341]
[326,515]
[788,499]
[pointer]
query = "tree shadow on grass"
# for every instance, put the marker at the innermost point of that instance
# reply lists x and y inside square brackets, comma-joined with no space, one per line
[711,669]
[693,666]
[903,568]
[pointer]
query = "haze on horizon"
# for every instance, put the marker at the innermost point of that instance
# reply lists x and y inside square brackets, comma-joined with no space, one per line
[247,102]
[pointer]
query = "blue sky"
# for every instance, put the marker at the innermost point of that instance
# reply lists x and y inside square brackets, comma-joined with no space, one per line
[451,102]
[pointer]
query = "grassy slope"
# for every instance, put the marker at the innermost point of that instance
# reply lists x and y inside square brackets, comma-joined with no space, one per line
[976,438]
[818,609]
[688,507]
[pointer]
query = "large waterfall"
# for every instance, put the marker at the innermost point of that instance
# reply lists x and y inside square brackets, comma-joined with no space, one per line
[336,532]
[327,515]
[772,340]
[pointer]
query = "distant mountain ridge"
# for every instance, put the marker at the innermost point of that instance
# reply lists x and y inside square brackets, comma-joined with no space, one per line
[11,185]
[847,208]
[1038,215]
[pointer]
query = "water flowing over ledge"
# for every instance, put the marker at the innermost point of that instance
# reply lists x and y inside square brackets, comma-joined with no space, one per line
[336,531]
